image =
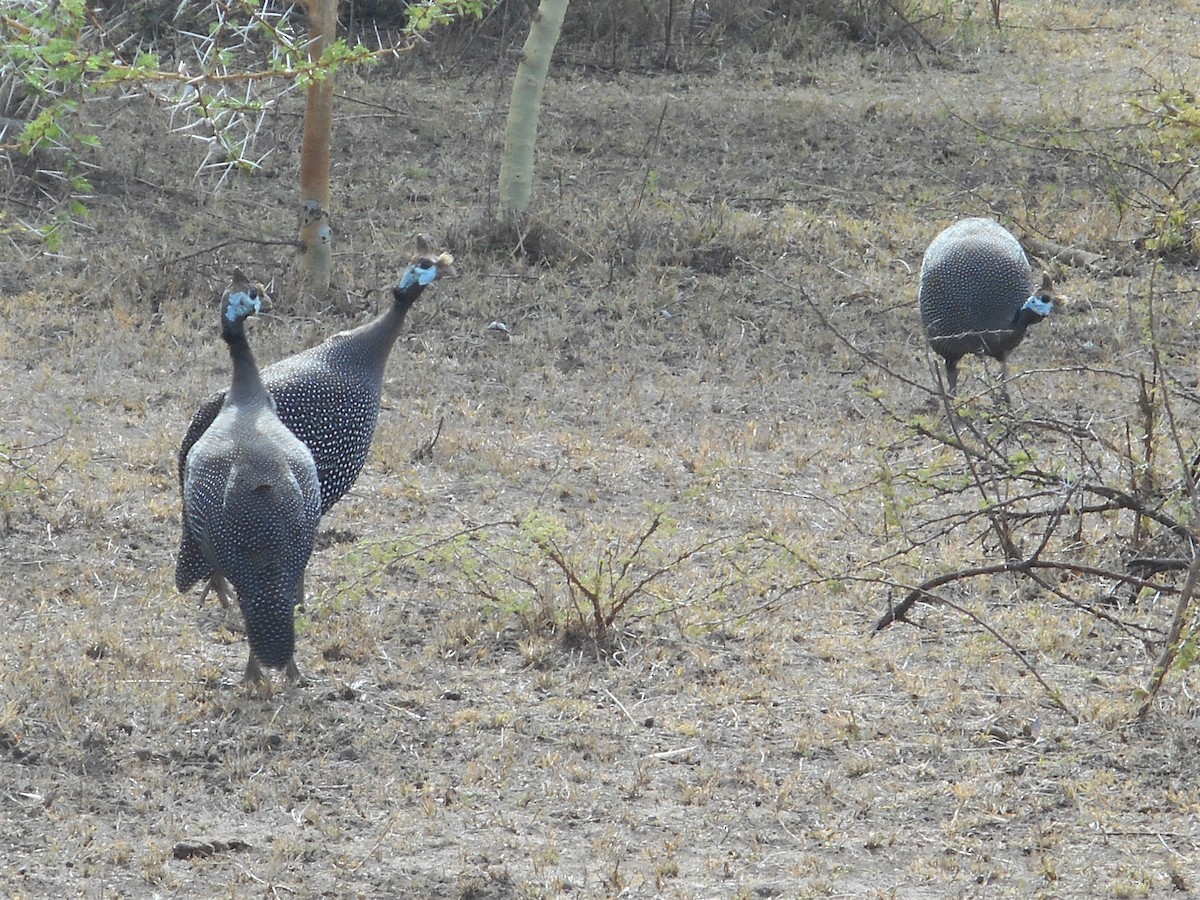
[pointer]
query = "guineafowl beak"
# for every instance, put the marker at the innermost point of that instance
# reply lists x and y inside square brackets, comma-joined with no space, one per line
[424,270]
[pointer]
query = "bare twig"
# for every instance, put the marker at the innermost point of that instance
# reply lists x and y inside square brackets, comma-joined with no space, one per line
[897,612]
[275,242]
[1054,694]
[425,448]
[1171,647]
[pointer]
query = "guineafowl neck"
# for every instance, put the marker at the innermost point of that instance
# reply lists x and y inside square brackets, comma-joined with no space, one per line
[247,385]
[402,302]
[1025,318]
[379,336]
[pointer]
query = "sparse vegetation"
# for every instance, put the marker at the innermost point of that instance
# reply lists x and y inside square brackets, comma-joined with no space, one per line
[578,586]
[1166,190]
[599,615]
[220,69]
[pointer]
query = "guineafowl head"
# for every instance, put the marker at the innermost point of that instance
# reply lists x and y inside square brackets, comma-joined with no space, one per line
[421,272]
[1037,307]
[242,300]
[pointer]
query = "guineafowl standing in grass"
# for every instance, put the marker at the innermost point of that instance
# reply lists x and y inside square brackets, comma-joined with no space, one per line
[329,397]
[976,294]
[251,501]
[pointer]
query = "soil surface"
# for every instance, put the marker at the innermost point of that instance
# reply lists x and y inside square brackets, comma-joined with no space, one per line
[676,399]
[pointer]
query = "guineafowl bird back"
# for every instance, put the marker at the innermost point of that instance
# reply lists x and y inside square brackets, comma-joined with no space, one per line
[975,293]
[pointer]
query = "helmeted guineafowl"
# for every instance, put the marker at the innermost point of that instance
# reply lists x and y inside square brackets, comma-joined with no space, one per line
[975,293]
[329,397]
[251,501]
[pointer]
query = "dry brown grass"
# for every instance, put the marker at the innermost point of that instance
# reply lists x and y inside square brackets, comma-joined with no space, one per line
[712,319]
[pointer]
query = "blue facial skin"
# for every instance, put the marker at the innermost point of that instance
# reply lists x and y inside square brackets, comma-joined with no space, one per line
[418,274]
[1039,305]
[243,304]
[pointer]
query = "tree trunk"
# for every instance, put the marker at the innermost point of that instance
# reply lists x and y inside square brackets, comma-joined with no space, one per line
[520,135]
[315,232]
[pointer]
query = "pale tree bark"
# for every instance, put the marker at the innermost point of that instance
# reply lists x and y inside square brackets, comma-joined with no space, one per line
[316,234]
[520,135]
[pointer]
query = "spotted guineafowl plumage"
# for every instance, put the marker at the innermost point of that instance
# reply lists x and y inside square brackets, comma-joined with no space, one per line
[251,501]
[329,397]
[975,293]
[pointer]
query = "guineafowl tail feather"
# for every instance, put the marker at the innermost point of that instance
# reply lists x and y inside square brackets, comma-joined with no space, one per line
[271,629]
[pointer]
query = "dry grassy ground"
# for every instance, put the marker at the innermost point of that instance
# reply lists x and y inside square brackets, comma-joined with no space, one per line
[714,323]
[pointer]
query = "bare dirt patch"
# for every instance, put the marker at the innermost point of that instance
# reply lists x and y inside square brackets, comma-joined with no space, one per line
[739,733]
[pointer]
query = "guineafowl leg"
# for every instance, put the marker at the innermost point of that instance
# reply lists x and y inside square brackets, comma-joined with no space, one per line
[1004,382]
[233,615]
[291,671]
[951,376]
[221,586]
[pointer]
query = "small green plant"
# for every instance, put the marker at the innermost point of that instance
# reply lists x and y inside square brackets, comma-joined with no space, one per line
[1168,134]
[573,583]
[603,586]
[20,484]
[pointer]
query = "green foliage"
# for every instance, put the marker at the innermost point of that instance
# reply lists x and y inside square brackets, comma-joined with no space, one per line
[49,63]
[1189,648]
[1168,138]
[584,582]
[58,56]
[428,14]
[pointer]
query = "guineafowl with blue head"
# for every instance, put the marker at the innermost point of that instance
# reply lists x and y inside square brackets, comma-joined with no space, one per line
[251,501]
[329,397]
[976,294]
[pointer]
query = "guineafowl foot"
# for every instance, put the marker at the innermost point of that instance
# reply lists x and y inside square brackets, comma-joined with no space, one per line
[233,614]
[933,404]
[292,673]
[256,679]
[233,620]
